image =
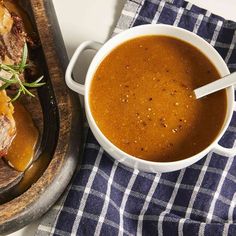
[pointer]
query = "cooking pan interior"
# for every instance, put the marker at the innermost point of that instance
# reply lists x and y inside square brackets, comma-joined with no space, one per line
[44,108]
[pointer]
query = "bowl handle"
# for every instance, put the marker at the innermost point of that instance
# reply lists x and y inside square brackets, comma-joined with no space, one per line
[73,85]
[225,151]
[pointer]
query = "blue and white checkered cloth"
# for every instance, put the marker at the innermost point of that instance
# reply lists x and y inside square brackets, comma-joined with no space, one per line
[106,198]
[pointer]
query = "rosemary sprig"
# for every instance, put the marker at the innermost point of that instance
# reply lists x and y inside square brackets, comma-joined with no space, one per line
[14,72]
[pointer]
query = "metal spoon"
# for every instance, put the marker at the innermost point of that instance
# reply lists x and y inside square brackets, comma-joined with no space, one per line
[215,86]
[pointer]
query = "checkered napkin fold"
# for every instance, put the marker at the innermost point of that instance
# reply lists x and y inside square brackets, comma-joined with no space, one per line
[106,198]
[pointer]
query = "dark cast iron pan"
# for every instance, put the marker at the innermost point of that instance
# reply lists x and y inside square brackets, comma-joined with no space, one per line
[58,115]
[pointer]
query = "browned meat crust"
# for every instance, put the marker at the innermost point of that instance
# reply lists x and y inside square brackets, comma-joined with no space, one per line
[12,40]
[12,43]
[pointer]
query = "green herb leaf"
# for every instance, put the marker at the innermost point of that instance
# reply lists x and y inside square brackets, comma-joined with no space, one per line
[34,84]
[4,86]
[5,80]
[15,71]
[22,64]
[28,92]
[16,96]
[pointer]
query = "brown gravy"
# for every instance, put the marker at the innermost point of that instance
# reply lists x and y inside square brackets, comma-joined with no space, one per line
[21,151]
[142,99]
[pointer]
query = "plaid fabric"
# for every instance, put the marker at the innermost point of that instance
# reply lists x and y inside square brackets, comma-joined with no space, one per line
[106,198]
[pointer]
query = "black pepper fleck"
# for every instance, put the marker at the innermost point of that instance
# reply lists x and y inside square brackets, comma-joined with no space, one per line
[144,123]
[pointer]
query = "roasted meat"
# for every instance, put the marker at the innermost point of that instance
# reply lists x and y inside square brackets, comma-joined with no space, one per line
[7,123]
[12,40]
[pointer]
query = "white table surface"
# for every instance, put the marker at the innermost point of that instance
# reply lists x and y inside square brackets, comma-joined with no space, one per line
[94,20]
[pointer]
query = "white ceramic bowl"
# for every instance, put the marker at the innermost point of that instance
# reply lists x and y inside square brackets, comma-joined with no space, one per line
[104,50]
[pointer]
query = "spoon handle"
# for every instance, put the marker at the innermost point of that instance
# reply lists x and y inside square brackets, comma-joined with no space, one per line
[215,86]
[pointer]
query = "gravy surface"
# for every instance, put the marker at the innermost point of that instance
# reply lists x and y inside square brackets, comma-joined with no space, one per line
[142,99]
[21,151]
